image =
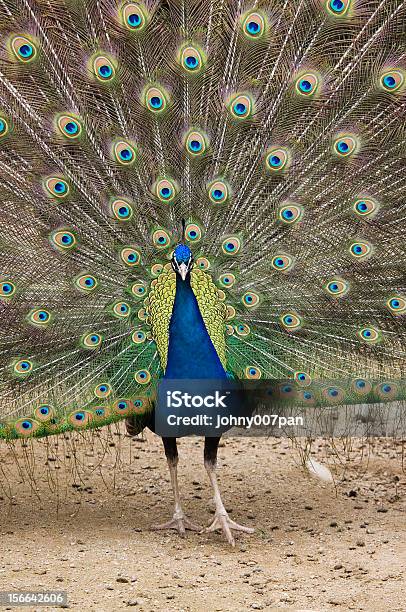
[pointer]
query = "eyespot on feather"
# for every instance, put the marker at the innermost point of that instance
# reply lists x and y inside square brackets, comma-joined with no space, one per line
[165,190]
[365,207]
[278,159]
[142,377]
[291,321]
[253,25]
[130,256]
[86,283]
[192,59]
[63,240]
[241,106]
[40,317]
[23,48]
[124,152]
[56,187]
[69,126]
[91,341]
[397,305]
[7,289]
[231,245]
[392,80]
[134,16]
[22,367]
[196,143]
[346,145]
[252,373]
[102,390]
[121,209]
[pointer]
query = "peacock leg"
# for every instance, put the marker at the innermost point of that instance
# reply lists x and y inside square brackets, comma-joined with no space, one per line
[179,520]
[221,519]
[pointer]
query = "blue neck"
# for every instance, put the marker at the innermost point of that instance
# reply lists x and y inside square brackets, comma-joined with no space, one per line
[191,353]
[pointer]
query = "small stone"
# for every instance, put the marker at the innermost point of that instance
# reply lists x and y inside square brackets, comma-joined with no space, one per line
[338,566]
[133,602]
[122,580]
[333,524]
[308,507]
[360,543]
[382,509]
[352,493]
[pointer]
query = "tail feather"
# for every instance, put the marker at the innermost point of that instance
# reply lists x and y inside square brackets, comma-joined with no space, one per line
[275,132]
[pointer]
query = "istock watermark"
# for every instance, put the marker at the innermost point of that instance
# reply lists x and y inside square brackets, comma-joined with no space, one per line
[275,408]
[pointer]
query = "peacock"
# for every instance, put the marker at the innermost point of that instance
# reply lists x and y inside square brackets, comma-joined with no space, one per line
[198,189]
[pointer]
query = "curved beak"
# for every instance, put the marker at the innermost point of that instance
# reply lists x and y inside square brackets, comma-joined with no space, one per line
[183,270]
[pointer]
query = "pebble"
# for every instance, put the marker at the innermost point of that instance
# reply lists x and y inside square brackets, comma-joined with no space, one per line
[122,579]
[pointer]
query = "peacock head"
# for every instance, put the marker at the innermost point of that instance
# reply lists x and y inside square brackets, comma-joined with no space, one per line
[182,260]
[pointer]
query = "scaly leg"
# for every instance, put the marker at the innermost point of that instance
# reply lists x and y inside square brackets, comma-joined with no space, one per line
[221,519]
[179,520]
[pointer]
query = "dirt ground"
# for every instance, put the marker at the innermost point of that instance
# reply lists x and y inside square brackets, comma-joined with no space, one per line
[316,547]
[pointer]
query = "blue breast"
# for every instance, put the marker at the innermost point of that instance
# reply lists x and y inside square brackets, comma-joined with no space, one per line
[191,353]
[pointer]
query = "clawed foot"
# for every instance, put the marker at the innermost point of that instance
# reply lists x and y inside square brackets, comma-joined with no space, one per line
[222,521]
[178,522]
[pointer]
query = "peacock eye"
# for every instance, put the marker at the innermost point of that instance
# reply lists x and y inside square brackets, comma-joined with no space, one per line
[103,68]
[196,143]
[121,210]
[86,283]
[57,187]
[392,80]
[156,269]
[43,413]
[26,427]
[365,207]
[121,310]
[218,192]
[202,263]
[142,377]
[23,367]
[361,386]
[7,289]
[165,190]
[303,379]
[91,341]
[278,159]
[231,245]
[337,287]
[3,127]
[193,232]
[70,127]
[240,106]
[333,394]
[39,317]
[360,250]
[134,16]
[102,390]
[369,334]
[253,25]
[338,8]
[290,213]
[138,337]
[155,99]
[291,321]
[161,239]
[192,59]
[250,299]
[243,329]
[397,305]
[24,49]
[252,373]
[64,240]
[346,145]
[124,153]
[282,262]
[387,390]
[130,256]
[227,280]
[307,84]
[138,289]
[79,418]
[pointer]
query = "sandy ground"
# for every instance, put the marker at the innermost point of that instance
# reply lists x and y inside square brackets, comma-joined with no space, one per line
[316,547]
